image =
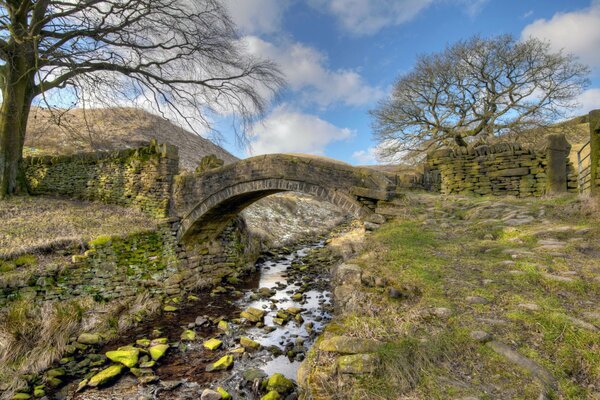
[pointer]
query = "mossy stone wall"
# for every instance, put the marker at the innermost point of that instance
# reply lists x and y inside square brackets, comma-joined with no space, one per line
[141,178]
[501,169]
[124,267]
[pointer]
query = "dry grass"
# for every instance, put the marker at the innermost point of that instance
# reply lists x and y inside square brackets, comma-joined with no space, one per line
[42,224]
[32,336]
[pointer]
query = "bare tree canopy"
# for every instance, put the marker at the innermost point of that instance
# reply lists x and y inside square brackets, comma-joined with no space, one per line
[182,57]
[475,90]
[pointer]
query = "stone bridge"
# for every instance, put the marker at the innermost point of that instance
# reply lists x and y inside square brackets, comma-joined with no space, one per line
[208,202]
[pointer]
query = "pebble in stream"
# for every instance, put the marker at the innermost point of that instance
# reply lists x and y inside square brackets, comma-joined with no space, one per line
[292,291]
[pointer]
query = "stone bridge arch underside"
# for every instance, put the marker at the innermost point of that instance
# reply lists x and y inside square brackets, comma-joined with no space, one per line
[207,203]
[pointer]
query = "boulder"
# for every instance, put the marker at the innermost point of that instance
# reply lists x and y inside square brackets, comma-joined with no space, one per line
[128,356]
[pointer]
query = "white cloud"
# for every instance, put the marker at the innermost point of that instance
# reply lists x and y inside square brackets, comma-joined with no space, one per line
[576,32]
[588,101]
[306,72]
[286,130]
[366,17]
[257,16]
[366,157]
[472,7]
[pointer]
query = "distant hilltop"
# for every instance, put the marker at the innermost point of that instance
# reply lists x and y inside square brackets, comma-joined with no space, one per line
[113,128]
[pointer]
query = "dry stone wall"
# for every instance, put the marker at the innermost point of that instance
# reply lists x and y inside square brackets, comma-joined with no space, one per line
[501,169]
[124,267]
[141,178]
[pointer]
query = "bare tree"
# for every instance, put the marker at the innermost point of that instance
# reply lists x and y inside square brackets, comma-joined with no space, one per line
[476,90]
[182,57]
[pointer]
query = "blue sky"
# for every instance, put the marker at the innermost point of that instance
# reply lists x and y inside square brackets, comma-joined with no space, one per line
[341,56]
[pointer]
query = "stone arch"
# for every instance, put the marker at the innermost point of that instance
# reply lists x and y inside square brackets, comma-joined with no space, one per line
[213,213]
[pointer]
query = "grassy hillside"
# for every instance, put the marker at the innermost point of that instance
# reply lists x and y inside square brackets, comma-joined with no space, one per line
[113,128]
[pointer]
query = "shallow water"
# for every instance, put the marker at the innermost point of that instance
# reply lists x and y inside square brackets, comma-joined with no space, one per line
[182,371]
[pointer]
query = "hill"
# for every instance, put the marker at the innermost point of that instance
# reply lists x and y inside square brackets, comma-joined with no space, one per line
[76,130]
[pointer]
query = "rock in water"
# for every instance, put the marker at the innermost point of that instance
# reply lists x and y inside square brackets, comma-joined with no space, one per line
[279,383]
[222,364]
[249,343]
[272,395]
[212,344]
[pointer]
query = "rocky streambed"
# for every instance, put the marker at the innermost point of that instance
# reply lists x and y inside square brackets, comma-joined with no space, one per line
[244,340]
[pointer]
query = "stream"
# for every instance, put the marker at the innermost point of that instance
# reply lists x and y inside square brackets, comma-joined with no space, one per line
[291,287]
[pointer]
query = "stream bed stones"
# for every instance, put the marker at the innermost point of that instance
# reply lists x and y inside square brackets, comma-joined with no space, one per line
[242,341]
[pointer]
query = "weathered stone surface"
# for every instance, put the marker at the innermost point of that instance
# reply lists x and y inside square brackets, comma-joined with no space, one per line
[531,366]
[209,394]
[500,169]
[208,202]
[357,364]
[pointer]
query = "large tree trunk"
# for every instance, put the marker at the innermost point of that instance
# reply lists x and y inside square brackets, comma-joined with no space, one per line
[17,95]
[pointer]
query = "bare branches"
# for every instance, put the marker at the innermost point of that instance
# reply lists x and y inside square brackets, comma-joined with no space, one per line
[476,90]
[180,55]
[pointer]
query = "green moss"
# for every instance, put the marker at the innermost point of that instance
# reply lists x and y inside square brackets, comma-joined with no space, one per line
[25,260]
[100,241]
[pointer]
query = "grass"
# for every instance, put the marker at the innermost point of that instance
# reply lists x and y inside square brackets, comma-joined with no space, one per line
[39,224]
[32,336]
[447,249]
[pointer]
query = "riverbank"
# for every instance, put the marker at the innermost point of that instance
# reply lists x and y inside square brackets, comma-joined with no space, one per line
[467,298]
[260,326]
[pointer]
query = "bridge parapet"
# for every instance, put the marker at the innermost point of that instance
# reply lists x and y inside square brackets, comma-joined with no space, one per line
[209,201]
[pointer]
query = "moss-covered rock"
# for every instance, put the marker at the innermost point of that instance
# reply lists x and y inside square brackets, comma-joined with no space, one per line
[249,343]
[224,394]
[357,364]
[158,351]
[212,344]
[89,338]
[224,363]
[188,335]
[279,383]
[106,375]
[128,356]
[272,395]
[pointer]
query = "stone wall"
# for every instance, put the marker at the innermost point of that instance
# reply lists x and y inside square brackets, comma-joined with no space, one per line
[124,267]
[141,178]
[501,169]
[595,151]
